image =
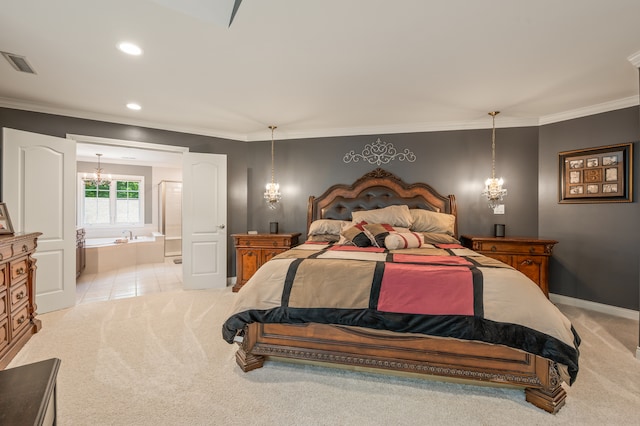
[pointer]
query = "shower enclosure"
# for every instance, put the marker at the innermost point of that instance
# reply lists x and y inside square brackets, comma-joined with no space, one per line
[170,211]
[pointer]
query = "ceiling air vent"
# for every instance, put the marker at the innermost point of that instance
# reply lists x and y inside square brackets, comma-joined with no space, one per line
[18,62]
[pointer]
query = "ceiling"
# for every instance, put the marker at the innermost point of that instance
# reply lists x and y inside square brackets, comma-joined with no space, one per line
[322,68]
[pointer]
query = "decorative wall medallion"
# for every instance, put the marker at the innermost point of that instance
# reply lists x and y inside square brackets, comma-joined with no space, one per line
[379,153]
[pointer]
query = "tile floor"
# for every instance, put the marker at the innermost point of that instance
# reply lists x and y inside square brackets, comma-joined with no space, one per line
[129,282]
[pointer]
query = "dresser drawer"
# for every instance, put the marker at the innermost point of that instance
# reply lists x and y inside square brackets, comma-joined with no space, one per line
[19,320]
[5,252]
[4,333]
[18,294]
[3,303]
[23,247]
[19,269]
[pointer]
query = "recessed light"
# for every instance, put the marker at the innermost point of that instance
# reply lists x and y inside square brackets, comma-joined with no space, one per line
[130,49]
[134,106]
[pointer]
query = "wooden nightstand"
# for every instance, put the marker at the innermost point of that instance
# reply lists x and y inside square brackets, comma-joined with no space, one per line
[254,250]
[528,255]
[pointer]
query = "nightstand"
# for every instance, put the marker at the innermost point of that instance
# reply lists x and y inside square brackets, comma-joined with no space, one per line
[254,250]
[528,255]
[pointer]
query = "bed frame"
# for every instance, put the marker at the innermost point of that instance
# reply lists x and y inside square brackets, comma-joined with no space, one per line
[403,354]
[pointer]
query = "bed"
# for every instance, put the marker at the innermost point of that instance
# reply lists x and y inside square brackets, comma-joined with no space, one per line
[427,307]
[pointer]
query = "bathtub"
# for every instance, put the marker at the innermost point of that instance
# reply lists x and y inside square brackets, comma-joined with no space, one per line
[105,254]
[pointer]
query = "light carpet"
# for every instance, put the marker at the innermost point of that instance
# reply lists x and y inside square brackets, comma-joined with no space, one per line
[160,360]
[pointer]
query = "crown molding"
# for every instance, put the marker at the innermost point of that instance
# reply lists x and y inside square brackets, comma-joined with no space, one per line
[396,129]
[47,109]
[635,59]
[590,110]
[504,122]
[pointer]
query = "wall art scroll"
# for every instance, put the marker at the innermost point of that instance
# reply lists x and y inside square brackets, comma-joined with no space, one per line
[379,153]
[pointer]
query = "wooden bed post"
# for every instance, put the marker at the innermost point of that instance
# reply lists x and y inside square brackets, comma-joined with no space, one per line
[248,361]
[550,400]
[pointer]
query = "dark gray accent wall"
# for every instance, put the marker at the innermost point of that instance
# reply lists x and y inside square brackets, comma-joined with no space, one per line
[597,257]
[453,162]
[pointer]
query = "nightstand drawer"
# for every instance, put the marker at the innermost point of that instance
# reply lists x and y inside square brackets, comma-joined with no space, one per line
[509,247]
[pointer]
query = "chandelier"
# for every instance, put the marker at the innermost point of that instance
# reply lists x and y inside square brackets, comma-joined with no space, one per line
[97,178]
[272,193]
[493,190]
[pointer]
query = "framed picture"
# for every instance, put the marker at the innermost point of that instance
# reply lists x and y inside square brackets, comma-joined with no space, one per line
[5,221]
[597,175]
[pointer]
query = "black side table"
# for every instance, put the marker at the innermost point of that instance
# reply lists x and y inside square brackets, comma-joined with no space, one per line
[28,394]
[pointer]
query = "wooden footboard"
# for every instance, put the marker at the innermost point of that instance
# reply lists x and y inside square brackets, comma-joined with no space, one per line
[405,354]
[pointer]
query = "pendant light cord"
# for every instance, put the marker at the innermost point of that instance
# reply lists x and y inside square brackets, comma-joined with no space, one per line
[493,144]
[272,155]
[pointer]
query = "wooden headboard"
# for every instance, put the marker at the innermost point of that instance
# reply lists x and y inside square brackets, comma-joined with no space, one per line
[375,190]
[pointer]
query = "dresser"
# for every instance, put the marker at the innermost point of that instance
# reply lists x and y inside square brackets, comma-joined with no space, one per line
[254,250]
[17,293]
[528,255]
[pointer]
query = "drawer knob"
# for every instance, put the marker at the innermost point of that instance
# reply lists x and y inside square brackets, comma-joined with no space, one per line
[275,243]
[21,320]
[20,295]
[20,271]
[494,248]
[532,250]
[25,248]
[527,262]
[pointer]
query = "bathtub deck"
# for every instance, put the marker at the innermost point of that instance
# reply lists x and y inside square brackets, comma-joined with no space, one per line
[129,281]
[108,256]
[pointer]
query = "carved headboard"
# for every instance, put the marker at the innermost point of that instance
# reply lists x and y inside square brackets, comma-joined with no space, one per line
[377,189]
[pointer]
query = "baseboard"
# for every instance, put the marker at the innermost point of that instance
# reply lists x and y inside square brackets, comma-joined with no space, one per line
[231,281]
[593,306]
[638,352]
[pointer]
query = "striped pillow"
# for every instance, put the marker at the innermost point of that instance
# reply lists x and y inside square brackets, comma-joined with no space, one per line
[403,240]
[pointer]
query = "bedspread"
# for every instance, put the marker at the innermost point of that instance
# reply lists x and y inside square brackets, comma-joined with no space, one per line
[443,290]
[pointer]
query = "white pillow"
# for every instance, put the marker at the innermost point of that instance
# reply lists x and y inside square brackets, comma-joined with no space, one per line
[401,240]
[393,215]
[428,221]
[327,226]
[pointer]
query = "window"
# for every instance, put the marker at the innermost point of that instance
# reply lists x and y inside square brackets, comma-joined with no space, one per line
[120,202]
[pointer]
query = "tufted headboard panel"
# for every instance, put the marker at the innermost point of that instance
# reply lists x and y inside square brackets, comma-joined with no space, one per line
[374,190]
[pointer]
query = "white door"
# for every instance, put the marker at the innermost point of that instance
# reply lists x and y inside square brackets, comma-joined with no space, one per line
[38,186]
[204,220]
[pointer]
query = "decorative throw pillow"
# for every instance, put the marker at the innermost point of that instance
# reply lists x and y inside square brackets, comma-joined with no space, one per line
[356,235]
[403,240]
[428,221]
[393,215]
[327,226]
[437,238]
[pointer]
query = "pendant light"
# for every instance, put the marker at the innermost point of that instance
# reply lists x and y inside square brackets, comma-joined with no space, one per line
[493,190]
